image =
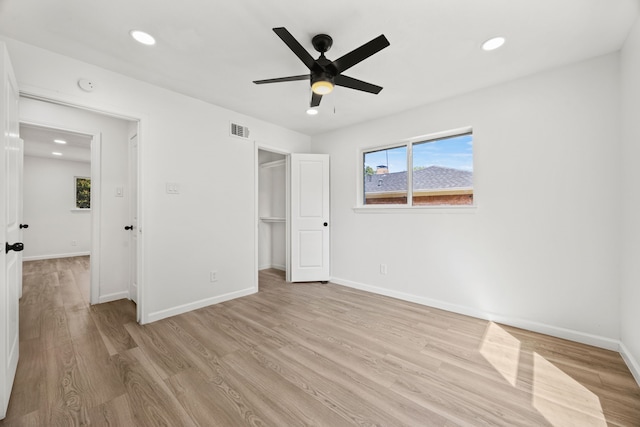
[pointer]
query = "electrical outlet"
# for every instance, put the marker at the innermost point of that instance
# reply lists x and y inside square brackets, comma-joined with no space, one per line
[74,243]
[383,268]
[213,276]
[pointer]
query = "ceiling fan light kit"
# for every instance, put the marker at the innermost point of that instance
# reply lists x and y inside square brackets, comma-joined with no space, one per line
[326,74]
[322,87]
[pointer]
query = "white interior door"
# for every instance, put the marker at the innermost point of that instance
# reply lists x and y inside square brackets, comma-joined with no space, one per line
[133,246]
[309,220]
[10,260]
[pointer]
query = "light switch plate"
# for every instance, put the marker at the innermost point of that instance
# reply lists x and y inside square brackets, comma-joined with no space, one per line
[173,188]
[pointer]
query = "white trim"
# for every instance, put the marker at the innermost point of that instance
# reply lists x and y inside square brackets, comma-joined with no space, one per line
[390,209]
[184,308]
[113,297]
[96,205]
[67,255]
[569,334]
[632,364]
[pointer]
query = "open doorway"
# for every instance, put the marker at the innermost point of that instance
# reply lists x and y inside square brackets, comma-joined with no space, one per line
[57,180]
[111,196]
[272,214]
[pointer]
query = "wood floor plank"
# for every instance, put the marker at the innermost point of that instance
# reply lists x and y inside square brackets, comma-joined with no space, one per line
[97,375]
[150,400]
[348,403]
[114,413]
[297,354]
[64,403]
[167,357]
[278,391]
[110,321]
[391,409]
[69,290]
[213,403]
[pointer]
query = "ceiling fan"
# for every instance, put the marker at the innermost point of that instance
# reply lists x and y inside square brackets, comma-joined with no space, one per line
[326,74]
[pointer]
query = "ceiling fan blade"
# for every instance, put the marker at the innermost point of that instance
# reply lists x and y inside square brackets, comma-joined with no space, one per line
[360,54]
[295,46]
[356,84]
[315,99]
[283,79]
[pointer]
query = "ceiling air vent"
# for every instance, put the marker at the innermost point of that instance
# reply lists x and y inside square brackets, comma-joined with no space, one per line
[239,130]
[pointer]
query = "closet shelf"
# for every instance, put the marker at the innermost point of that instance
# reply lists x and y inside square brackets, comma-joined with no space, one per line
[274,164]
[271,219]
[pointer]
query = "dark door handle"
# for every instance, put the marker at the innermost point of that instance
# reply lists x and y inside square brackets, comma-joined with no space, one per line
[128,227]
[24,226]
[326,223]
[15,247]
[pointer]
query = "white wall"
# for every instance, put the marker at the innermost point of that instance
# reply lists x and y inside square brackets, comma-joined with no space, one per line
[630,296]
[114,214]
[49,202]
[210,225]
[541,249]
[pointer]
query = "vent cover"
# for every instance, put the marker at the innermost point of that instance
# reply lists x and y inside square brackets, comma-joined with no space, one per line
[239,131]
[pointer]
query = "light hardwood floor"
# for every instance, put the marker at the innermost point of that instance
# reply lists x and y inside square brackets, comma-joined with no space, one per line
[303,354]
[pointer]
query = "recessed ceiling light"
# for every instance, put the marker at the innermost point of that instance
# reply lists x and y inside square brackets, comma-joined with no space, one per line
[493,43]
[142,37]
[55,153]
[312,111]
[59,141]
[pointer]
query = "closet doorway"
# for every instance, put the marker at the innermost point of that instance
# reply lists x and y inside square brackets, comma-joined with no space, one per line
[272,203]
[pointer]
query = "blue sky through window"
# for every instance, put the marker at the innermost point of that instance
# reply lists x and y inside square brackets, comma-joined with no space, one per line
[455,152]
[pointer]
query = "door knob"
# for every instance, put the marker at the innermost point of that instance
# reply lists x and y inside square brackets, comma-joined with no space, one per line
[326,223]
[128,227]
[24,226]
[15,247]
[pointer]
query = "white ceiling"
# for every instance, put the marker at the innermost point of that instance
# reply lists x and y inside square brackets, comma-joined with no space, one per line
[39,142]
[213,50]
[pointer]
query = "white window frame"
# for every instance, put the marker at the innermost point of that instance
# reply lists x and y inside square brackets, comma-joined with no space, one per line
[362,208]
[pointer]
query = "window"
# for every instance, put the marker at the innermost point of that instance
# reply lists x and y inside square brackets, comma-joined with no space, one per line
[83,192]
[435,171]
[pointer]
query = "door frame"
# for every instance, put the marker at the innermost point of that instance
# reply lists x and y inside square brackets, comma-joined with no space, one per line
[54,97]
[133,207]
[96,191]
[287,154]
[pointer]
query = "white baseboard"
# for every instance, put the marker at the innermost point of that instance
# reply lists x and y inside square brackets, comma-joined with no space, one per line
[276,266]
[173,311]
[41,257]
[577,336]
[113,297]
[633,365]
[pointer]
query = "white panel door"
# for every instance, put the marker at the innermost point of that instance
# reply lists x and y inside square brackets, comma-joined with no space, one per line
[309,220]
[10,195]
[133,247]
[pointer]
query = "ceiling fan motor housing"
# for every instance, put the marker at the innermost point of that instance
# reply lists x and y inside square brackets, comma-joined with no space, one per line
[322,42]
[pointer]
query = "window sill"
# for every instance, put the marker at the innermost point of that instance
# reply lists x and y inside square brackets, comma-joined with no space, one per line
[416,209]
[81,210]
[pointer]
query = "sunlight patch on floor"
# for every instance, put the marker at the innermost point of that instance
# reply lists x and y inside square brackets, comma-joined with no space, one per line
[502,350]
[562,400]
